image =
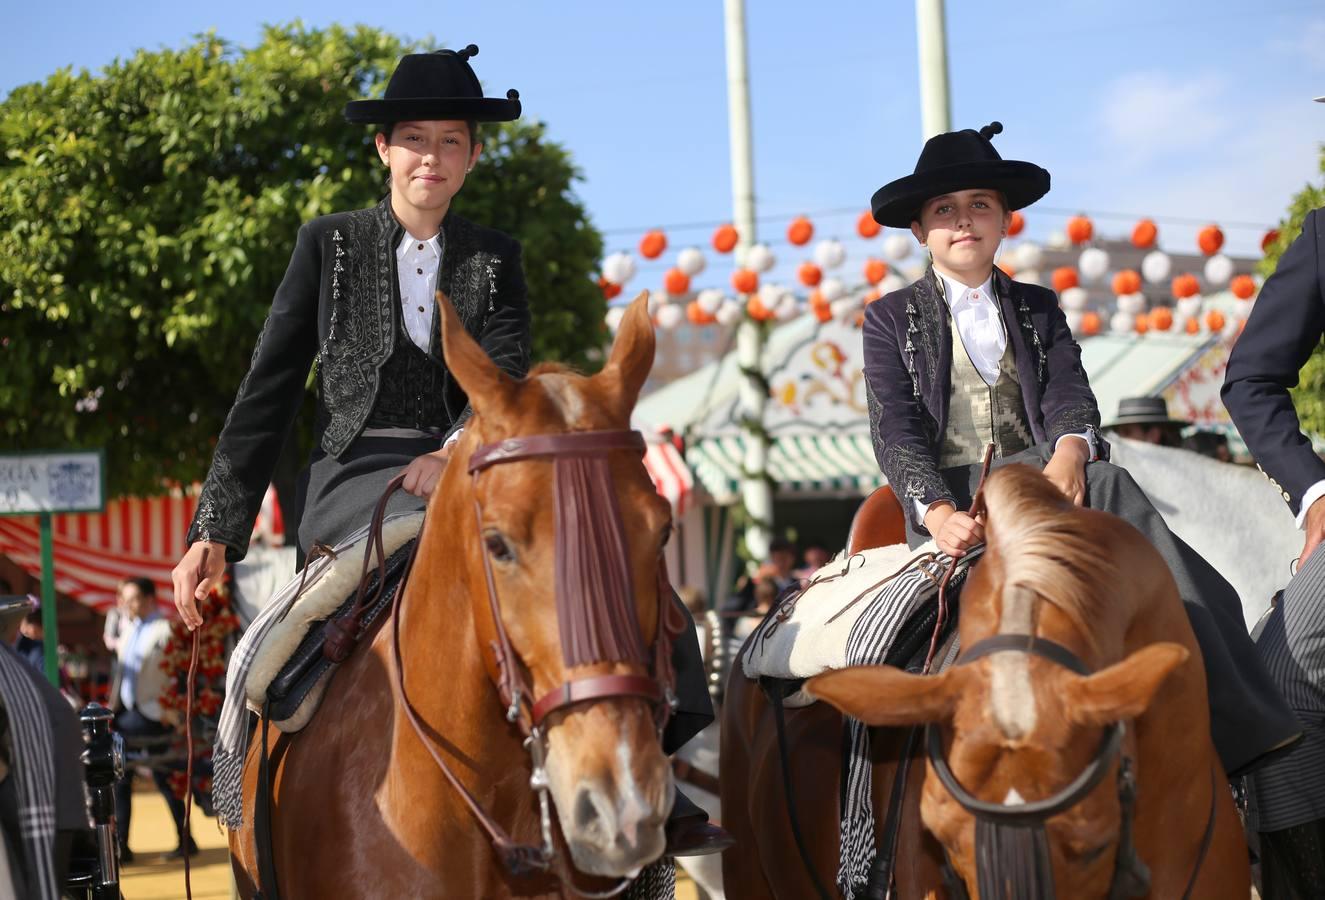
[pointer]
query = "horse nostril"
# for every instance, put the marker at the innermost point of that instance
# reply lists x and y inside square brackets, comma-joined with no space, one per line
[586,811]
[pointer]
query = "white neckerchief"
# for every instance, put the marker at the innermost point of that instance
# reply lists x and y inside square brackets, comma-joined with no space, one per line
[976,316]
[417,262]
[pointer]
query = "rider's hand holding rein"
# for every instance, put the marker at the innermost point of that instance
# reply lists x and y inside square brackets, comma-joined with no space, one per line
[954,531]
[1066,469]
[197,573]
[424,472]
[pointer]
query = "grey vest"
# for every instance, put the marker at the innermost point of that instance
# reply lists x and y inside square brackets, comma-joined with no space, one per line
[980,414]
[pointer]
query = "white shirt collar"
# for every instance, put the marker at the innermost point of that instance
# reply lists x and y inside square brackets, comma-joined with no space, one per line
[957,293]
[432,245]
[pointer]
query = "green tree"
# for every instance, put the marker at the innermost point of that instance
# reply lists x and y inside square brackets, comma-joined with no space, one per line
[1309,395]
[147,214]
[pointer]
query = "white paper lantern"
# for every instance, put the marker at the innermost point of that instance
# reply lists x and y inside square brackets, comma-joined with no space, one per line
[1242,308]
[1093,264]
[709,300]
[1132,303]
[897,246]
[831,289]
[1074,298]
[1057,241]
[844,307]
[1028,255]
[829,254]
[1231,326]
[614,317]
[1029,276]
[1122,323]
[786,307]
[690,260]
[729,313]
[656,301]
[759,258]
[1074,317]
[1189,307]
[914,273]
[619,268]
[891,282]
[1156,266]
[1218,269]
[670,316]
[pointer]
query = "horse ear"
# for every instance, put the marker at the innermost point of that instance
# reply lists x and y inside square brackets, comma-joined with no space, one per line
[885,695]
[483,383]
[632,352]
[1123,690]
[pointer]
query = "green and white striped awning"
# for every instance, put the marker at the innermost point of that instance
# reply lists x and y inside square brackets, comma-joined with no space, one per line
[801,465]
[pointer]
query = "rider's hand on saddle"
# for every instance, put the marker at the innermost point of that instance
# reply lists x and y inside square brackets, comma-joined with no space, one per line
[197,573]
[1314,526]
[1066,469]
[954,531]
[424,472]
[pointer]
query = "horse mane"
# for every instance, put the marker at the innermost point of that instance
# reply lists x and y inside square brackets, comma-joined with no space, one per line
[1045,545]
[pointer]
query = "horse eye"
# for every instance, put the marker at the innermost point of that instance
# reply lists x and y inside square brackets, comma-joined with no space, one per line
[497,547]
[666,536]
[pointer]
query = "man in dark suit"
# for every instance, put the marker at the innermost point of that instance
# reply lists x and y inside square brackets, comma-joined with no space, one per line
[1285,327]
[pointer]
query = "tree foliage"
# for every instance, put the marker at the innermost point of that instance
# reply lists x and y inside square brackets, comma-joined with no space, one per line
[1309,395]
[147,213]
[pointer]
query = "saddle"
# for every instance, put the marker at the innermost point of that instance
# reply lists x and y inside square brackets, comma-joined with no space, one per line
[290,671]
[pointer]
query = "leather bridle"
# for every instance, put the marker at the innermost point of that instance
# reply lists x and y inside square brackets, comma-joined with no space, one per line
[587,512]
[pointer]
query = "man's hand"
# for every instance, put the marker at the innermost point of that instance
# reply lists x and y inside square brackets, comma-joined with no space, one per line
[955,532]
[423,473]
[1314,526]
[197,573]
[1066,469]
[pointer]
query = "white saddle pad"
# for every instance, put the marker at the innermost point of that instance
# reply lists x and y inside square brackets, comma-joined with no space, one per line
[849,615]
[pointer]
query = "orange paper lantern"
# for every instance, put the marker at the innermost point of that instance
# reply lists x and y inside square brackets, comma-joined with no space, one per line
[756,308]
[800,231]
[1016,225]
[725,238]
[1161,318]
[745,281]
[875,270]
[1079,229]
[1193,326]
[695,313]
[1090,323]
[1210,239]
[1214,320]
[610,288]
[676,282]
[1243,287]
[1064,278]
[1128,281]
[652,245]
[1186,285]
[1270,237]
[809,274]
[1007,268]
[1142,323]
[1145,234]
[866,227]
[872,296]
[822,309]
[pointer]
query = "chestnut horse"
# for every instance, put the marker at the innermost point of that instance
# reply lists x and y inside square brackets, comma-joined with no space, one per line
[765,862]
[1075,722]
[361,807]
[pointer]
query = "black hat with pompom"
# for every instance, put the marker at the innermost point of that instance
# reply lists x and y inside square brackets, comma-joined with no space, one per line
[432,86]
[958,161]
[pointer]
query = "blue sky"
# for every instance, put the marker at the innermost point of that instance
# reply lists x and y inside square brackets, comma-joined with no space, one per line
[1177,110]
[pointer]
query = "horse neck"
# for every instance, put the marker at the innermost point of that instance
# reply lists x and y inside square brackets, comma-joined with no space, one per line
[455,698]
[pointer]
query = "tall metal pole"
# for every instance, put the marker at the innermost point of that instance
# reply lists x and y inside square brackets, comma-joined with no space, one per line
[50,623]
[756,491]
[935,100]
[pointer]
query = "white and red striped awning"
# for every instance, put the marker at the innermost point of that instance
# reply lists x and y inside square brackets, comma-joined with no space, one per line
[134,537]
[670,474]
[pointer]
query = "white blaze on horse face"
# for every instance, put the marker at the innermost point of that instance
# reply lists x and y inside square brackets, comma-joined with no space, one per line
[1013,798]
[1010,691]
[565,395]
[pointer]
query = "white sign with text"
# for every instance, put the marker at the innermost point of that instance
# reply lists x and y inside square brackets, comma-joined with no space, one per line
[31,483]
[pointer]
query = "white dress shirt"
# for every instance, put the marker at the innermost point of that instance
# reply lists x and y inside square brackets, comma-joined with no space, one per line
[1314,493]
[417,262]
[979,324]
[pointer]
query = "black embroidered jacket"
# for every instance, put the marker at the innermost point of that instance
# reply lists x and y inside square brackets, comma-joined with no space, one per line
[339,303]
[908,378]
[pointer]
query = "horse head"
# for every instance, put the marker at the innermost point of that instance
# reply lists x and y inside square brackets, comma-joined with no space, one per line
[562,553]
[1030,782]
